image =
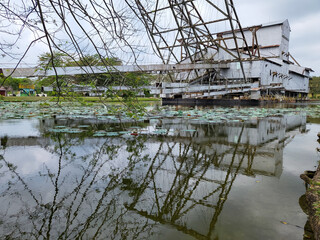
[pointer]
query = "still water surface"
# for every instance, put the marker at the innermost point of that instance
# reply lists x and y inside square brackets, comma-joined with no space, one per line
[165,178]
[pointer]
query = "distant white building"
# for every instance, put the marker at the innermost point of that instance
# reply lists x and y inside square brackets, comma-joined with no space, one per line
[271,70]
[275,72]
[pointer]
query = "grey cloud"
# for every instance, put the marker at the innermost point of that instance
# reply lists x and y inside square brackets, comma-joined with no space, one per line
[296,8]
[304,18]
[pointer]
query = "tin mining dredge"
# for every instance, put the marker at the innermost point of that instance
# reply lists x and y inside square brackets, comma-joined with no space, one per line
[207,55]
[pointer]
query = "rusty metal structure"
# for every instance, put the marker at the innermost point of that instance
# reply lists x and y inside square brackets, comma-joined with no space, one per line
[189,38]
[206,53]
[251,61]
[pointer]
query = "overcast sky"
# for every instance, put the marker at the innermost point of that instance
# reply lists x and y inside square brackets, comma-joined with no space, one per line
[304,19]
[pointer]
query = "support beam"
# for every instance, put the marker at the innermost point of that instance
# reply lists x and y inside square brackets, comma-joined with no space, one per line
[35,72]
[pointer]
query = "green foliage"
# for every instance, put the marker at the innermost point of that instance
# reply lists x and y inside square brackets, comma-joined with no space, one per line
[314,85]
[127,94]
[45,82]
[136,79]
[14,82]
[106,79]
[94,60]
[58,59]
[132,80]
[146,93]
[46,61]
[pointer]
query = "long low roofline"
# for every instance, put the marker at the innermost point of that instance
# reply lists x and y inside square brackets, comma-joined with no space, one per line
[35,72]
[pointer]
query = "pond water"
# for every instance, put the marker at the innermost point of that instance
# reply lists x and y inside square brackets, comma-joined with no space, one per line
[177,173]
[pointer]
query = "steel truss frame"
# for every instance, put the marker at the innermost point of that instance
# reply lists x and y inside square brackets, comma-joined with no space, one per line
[193,38]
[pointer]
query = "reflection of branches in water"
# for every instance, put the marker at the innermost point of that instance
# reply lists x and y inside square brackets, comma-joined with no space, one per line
[193,165]
[121,190]
[85,208]
[251,154]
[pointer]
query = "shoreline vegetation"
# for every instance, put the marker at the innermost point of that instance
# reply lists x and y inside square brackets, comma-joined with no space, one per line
[312,179]
[104,99]
[68,99]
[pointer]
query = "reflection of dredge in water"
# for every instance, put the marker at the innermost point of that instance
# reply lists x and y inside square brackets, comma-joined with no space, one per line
[204,166]
[183,183]
[266,138]
[186,174]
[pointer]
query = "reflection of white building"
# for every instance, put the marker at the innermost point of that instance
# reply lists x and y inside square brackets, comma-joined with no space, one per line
[265,139]
[184,190]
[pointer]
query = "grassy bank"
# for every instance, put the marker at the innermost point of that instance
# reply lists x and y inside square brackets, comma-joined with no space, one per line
[82,99]
[314,97]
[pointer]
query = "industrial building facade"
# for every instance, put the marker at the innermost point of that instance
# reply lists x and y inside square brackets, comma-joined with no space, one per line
[269,71]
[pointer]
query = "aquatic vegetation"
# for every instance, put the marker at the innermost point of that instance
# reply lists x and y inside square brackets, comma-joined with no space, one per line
[115,114]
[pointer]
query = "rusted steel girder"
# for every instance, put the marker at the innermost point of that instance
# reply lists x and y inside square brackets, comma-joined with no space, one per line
[188,38]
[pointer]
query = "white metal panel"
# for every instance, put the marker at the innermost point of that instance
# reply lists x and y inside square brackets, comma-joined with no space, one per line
[272,73]
[251,69]
[299,70]
[284,47]
[297,83]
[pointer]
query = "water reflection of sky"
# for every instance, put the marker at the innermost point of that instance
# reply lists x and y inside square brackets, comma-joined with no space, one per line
[166,187]
[30,160]
[19,128]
